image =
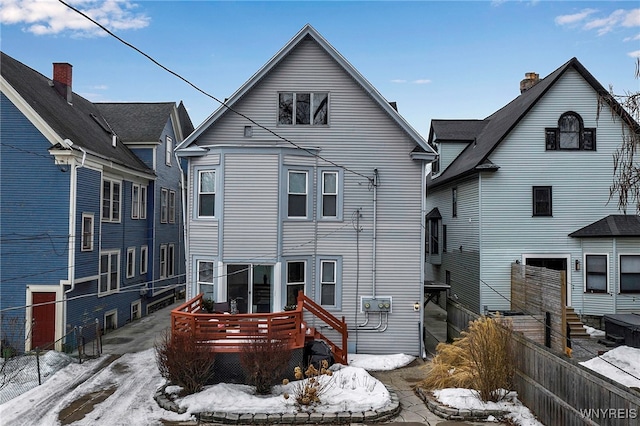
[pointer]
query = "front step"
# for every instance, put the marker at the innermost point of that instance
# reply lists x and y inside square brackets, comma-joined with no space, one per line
[576,328]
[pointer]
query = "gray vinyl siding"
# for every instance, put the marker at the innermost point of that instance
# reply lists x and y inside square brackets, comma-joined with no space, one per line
[448,151]
[250,217]
[580,182]
[361,137]
[462,256]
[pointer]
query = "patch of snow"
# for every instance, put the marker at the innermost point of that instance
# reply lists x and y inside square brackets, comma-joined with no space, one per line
[619,364]
[378,362]
[468,399]
[594,332]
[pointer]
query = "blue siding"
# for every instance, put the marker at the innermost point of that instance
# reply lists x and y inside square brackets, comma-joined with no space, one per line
[88,201]
[34,210]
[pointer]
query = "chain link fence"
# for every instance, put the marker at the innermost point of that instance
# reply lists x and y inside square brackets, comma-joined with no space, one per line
[20,372]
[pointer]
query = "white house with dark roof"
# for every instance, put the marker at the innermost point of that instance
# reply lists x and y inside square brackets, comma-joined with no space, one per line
[308,179]
[530,184]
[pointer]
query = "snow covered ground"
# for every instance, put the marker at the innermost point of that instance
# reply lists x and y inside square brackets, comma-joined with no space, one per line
[131,381]
[621,364]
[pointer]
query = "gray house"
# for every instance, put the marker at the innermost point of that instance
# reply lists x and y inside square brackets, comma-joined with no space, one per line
[308,179]
[530,184]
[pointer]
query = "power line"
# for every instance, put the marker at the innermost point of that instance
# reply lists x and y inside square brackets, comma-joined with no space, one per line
[222,103]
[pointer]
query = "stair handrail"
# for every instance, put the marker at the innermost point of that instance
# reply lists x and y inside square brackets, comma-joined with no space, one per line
[340,326]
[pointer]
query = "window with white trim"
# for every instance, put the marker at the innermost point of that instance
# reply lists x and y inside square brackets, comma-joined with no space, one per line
[630,273]
[296,279]
[87,232]
[171,260]
[163,261]
[131,262]
[172,206]
[328,272]
[303,108]
[205,279]
[143,201]
[135,201]
[595,271]
[109,272]
[168,150]
[144,259]
[164,205]
[111,199]
[297,192]
[206,193]
[330,185]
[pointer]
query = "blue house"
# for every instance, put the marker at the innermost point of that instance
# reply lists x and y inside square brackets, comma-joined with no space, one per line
[90,220]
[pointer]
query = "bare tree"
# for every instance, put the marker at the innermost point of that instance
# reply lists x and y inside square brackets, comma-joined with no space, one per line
[626,166]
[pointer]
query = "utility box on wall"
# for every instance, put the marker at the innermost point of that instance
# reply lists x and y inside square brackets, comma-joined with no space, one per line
[375,304]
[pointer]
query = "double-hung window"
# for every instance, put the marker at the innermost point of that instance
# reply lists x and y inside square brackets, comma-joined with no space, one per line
[109,272]
[330,182]
[303,108]
[164,205]
[297,191]
[144,259]
[206,193]
[171,260]
[135,201]
[205,279]
[87,232]
[163,261]
[168,150]
[110,200]
[131,262]
[143,202]
[454,202]
[542,201]
[172,206]
[596,273]
[630,273]
[296,279]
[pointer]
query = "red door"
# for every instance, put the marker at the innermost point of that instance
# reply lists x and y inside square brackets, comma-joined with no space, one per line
[44,320]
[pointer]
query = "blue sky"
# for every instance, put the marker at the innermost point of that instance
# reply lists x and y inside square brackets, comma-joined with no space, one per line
[454,59]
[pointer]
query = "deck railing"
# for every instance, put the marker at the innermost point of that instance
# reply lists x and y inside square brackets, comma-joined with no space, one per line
[224,332]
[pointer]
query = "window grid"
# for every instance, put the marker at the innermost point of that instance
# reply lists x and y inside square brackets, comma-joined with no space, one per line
[109,272]
[330,185]
[110,201]
[297,191]
[87,232]
[328,270]
[135,201]
[542,201]
[303,108]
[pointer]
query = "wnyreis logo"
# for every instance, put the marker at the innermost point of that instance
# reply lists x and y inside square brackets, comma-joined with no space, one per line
[609,413]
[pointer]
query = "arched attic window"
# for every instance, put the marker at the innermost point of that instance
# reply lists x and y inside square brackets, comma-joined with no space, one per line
[570,134]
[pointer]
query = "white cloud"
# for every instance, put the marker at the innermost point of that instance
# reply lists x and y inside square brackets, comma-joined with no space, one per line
[632,19]
[397,80]
[42,17]
[635,54]
[574,18]
[422,81]
[634,38]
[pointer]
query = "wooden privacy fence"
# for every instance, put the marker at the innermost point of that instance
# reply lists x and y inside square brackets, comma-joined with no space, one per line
[224,332]
[557,390]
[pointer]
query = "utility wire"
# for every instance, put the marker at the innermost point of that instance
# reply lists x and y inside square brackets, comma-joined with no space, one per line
[222,103]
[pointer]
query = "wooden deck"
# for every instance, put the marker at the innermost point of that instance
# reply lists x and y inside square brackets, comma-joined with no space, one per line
[224,332]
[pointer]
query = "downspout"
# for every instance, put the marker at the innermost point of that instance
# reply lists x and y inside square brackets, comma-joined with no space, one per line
[617,281]
[374,231]
[183,195]
[73,196]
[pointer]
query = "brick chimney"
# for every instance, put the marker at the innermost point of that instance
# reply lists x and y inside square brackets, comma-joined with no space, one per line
[62,79]
[530,80]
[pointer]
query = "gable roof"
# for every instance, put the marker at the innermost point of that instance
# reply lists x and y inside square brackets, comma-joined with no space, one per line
[615,225]
[81,122]
[137,122]
[498,125]
[309,32]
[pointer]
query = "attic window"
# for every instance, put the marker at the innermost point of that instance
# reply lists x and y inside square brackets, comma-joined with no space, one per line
[570,135]
[303,108]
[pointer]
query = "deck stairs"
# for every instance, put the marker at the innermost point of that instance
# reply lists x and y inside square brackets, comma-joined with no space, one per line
[575,326]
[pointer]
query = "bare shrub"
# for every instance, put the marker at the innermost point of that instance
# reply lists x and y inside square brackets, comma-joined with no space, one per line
[481,359]
[184,361]
[264,361]
[307,392]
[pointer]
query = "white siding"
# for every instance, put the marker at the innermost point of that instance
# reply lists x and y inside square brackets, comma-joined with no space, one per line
[361,137]
[580,181]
